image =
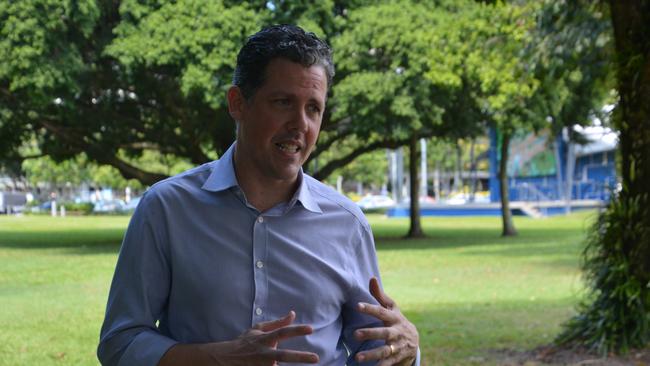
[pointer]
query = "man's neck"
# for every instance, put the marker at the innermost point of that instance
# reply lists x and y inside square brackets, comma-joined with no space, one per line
[261,192]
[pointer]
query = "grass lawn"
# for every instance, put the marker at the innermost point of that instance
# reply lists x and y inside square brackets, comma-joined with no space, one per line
[467,290]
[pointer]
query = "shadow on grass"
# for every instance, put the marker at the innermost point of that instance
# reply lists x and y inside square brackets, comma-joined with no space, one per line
[556,255]
[76,241]
[539,241]
[557,248]
[457,238]
[464,334]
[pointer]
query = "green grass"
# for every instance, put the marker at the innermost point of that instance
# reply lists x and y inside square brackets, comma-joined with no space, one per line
[467,290]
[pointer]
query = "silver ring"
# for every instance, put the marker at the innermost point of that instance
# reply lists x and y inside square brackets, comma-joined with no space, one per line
[392,349]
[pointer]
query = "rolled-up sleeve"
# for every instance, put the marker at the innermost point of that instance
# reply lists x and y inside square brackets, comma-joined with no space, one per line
[139,292]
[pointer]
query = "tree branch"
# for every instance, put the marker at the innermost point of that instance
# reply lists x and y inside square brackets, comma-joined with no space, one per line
[145,145]
[100,155]
[35,156]
[327,144]
[331,166]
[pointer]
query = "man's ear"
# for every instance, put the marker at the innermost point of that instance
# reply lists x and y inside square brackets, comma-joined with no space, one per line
[236,102]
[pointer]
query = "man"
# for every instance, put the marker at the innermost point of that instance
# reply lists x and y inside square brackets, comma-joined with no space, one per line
[219,262]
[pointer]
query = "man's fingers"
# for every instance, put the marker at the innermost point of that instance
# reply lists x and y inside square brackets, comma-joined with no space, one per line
[380,295]
[380,312]
[374,354]
[293,356]
[374,333]
[288,332]
[393,360]
[277,323]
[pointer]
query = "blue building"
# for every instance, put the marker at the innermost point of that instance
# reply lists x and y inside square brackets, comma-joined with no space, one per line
[546,176]
[554,169]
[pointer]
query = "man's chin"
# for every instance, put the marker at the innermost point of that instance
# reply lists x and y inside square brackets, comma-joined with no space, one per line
[288,174]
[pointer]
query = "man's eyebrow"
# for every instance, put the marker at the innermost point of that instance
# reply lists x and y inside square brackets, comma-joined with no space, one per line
[280,93]
[318,101]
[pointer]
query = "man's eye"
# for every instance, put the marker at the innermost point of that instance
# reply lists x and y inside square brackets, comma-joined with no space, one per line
[282,102]
[314,109]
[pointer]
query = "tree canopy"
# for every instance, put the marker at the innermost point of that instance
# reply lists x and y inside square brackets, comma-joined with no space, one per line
[118,81]
[115,80]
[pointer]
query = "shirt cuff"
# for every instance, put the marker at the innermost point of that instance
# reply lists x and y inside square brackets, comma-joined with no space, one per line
[417,358]
[147,348]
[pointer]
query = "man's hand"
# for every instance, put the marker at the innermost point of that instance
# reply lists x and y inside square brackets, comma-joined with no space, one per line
[400,335]
[257,346]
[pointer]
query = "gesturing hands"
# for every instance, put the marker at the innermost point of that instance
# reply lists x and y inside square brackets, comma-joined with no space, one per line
[400,334]
[258,345]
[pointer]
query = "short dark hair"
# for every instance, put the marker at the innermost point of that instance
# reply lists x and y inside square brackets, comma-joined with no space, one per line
[279,41]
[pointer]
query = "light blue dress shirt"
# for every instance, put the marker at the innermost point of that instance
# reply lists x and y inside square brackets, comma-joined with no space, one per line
[199,264]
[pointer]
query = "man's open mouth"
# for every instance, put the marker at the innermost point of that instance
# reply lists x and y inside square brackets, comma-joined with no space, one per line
[290,148]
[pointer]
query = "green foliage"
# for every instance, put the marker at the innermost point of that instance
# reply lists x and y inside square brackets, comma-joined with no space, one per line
[370,168]
[31,31]
[443,153]
[507,87]
[45,170]
[571,53]
[616,315]
[84,208]
[118,81]
[381,58]
[74,172]
[40,58]
[403,72]
[317,17]
[198,39]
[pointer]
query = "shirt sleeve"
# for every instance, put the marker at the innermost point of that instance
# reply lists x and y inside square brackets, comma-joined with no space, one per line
[364,268]
[138,293]
[417,358]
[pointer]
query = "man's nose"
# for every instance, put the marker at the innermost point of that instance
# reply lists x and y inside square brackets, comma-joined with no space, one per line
[299,120]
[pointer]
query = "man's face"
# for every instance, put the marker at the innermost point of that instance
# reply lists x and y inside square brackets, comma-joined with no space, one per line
[279,125]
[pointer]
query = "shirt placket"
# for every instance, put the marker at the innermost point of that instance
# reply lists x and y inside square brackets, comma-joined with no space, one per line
[260,243]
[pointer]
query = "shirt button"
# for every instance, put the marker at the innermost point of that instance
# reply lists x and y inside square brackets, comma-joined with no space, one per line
[258,311]
[259,264]
[260,219]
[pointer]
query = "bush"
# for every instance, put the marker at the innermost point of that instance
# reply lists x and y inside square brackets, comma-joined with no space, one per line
[615,317]
[84,208]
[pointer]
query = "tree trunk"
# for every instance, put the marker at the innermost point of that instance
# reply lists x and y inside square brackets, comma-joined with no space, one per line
[458,180]
[472,171]
[506,215]
[446,176]
[631,21]
[436,182]
[415,231]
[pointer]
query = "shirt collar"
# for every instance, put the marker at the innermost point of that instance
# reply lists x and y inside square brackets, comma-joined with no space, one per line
[222,177]
[304,195]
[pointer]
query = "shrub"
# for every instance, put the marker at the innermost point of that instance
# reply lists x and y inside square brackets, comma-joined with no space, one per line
[615,316]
